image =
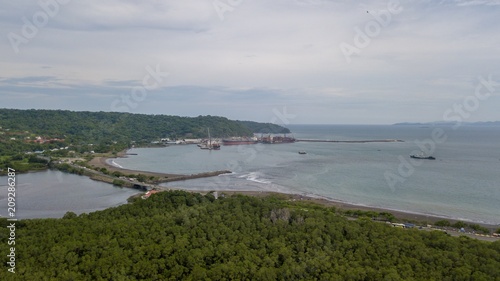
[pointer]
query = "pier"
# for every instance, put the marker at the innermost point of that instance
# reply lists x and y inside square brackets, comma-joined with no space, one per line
[348,141]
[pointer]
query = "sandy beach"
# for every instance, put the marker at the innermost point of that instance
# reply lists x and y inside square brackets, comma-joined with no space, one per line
[102,162]
[403,216]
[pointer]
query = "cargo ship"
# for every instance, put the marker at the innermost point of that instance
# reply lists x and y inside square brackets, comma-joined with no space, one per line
[277,139]
[239,141]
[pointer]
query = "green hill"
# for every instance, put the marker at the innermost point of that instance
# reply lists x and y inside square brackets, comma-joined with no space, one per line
[182,236]
[264,128]
[107,129]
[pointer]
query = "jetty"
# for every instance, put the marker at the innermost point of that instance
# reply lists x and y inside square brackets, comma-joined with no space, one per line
[349,141]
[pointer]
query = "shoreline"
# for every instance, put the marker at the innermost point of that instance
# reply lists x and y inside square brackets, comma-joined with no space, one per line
[425,221]
[328,202]
[399,214]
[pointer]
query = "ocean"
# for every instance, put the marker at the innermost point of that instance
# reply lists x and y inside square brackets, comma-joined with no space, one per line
[462,183]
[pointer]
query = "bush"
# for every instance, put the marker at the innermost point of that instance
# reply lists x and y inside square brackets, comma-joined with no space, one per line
[69,215]
[118,182]
[141,178]
[17,157]
[443,223]
[479,228]
[459,224]
[36,159]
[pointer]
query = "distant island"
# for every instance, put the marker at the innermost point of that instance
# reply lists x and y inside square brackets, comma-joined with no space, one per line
[441,123]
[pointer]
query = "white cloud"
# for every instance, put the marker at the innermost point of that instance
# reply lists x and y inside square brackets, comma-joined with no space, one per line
[263,54]
[478,2]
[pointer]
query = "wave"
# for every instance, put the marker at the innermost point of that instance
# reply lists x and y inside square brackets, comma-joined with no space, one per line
[255,177]
[392,209]
[113,163]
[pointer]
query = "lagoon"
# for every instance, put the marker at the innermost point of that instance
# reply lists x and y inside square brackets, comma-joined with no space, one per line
[50,194]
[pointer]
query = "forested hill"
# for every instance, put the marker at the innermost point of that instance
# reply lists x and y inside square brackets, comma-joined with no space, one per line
[182,236]
[99,127]
[264,128]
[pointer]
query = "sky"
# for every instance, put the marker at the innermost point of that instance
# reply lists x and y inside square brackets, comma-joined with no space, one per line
[279,61]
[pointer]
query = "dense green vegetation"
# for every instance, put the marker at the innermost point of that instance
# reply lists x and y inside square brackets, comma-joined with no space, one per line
[179,235]
[461,224]
[264,128]
[23,162]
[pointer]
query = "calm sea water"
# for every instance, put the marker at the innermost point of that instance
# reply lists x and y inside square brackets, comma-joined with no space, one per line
[50,194]
[463,183]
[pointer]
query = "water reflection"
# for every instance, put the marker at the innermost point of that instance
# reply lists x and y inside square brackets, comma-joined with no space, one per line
[50,194]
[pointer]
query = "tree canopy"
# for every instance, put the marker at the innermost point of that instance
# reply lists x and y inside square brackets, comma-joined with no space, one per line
[187,236]
[264,128]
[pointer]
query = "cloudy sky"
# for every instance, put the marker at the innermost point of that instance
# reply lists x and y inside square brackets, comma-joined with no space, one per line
[297,61]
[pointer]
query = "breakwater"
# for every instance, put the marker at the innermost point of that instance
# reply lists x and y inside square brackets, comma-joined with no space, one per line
[348,141]
[195,176]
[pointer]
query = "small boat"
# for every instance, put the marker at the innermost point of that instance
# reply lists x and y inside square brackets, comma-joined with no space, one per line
[302,152]
[421,156]
[209,145]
